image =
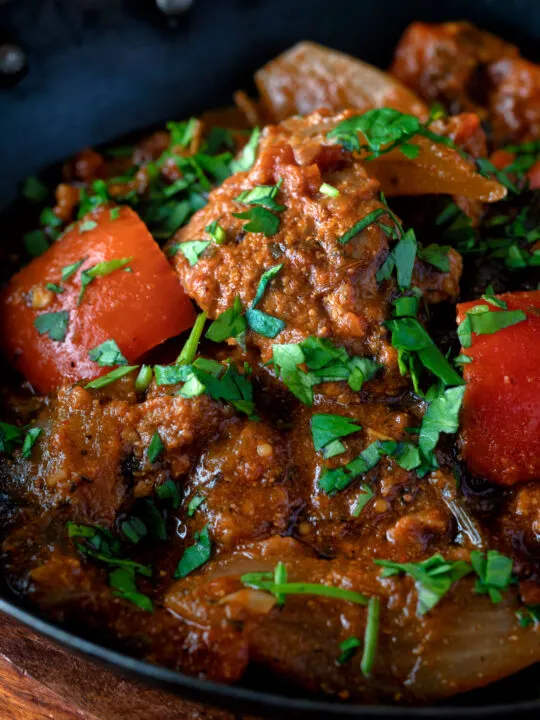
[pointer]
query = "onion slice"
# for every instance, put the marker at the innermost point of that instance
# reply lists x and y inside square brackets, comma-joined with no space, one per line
[309,76]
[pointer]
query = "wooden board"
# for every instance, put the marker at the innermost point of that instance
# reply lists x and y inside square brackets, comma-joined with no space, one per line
[40,681]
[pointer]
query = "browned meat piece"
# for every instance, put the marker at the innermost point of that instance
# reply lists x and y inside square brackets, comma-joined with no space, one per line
[469,69]
[446,62]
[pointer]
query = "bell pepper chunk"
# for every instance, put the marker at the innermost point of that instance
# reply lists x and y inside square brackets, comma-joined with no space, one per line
[48,329]
[500,417]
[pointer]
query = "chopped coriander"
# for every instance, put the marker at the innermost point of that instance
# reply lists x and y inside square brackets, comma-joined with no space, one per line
[153,519]
[327,430]
[216,232]
[260,220]
[182,132]
[193,249]
[329,190]
[155,449]
[266,581]
[497,302]
[107,354]
[348,648]
[169,491]
[436,255]
[528,615]
[58,289]
[189,351]
[494,573]
[69,270]
[53,324]
[366,493]
[134,529]
[247,157]
[87,225]
[49,218]
[402,258]
[442,415]
[231,323]
[101,270]
[114,213]
[406,306]
[35,242]
[196,555]
[33,189]
[384,129]
[266,278]
[263,195]
[123,583]
[325,362]
[30,440]
[433,577]
[264,324]
[111,377]
[143,379]
[195,502]
[371,634]
[488,169]
[361,225]
[10,436]
[483,321]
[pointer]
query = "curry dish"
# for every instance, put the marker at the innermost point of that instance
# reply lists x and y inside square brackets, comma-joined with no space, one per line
[271,397]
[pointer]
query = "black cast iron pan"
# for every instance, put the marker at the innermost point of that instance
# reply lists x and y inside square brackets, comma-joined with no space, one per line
[94,70]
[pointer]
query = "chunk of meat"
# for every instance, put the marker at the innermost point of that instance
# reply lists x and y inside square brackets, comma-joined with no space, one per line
[245,480]
[324,288]
[500,418]
[446,62]
[469,69]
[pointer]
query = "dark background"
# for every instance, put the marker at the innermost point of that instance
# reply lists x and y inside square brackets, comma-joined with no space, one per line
[98,68]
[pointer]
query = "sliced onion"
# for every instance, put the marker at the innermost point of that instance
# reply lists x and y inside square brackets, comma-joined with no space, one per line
[309,76]
[437,170]
[256,601]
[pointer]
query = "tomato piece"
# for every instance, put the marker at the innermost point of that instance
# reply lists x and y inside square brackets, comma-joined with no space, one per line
[500,418]
[139,308]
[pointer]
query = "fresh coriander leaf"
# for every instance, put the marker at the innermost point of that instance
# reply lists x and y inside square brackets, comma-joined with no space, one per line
[348,649]
[404,255]
[53,324]
[58,289]
[35,242]
[69,270]
[189,351]
[30,440]
[169,491]
[494,573]
[107,354]
[442,415]
[111,377]
[171,374]
[382,128]
[264,324]
[230,323]
[265,581]
[193,249]
[247,157]
[143,379]
[196,555]
[260,220]
[371,634]
[153,519]
[123,583]
[361,225]
[216,232]
[101,270]
[48,218]
[362,500]
[326,428]
[436,255]
[329,190]
[195,502]
[266,277]
[33,189]
[433,577]
[87,225]
[406,306]
[10,436]
[263,195]
[492,321]
[134,529]
[155,449]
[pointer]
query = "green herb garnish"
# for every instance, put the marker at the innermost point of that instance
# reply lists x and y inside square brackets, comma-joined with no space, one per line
[53,324]
[327,430]
[196,555]
[107,354]
[193,249]
[155,449]
[111,377]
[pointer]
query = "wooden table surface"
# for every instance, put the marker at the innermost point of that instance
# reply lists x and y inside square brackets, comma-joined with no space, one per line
[41,681]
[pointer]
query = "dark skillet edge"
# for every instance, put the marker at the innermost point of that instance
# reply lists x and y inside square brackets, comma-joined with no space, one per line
[238,699]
